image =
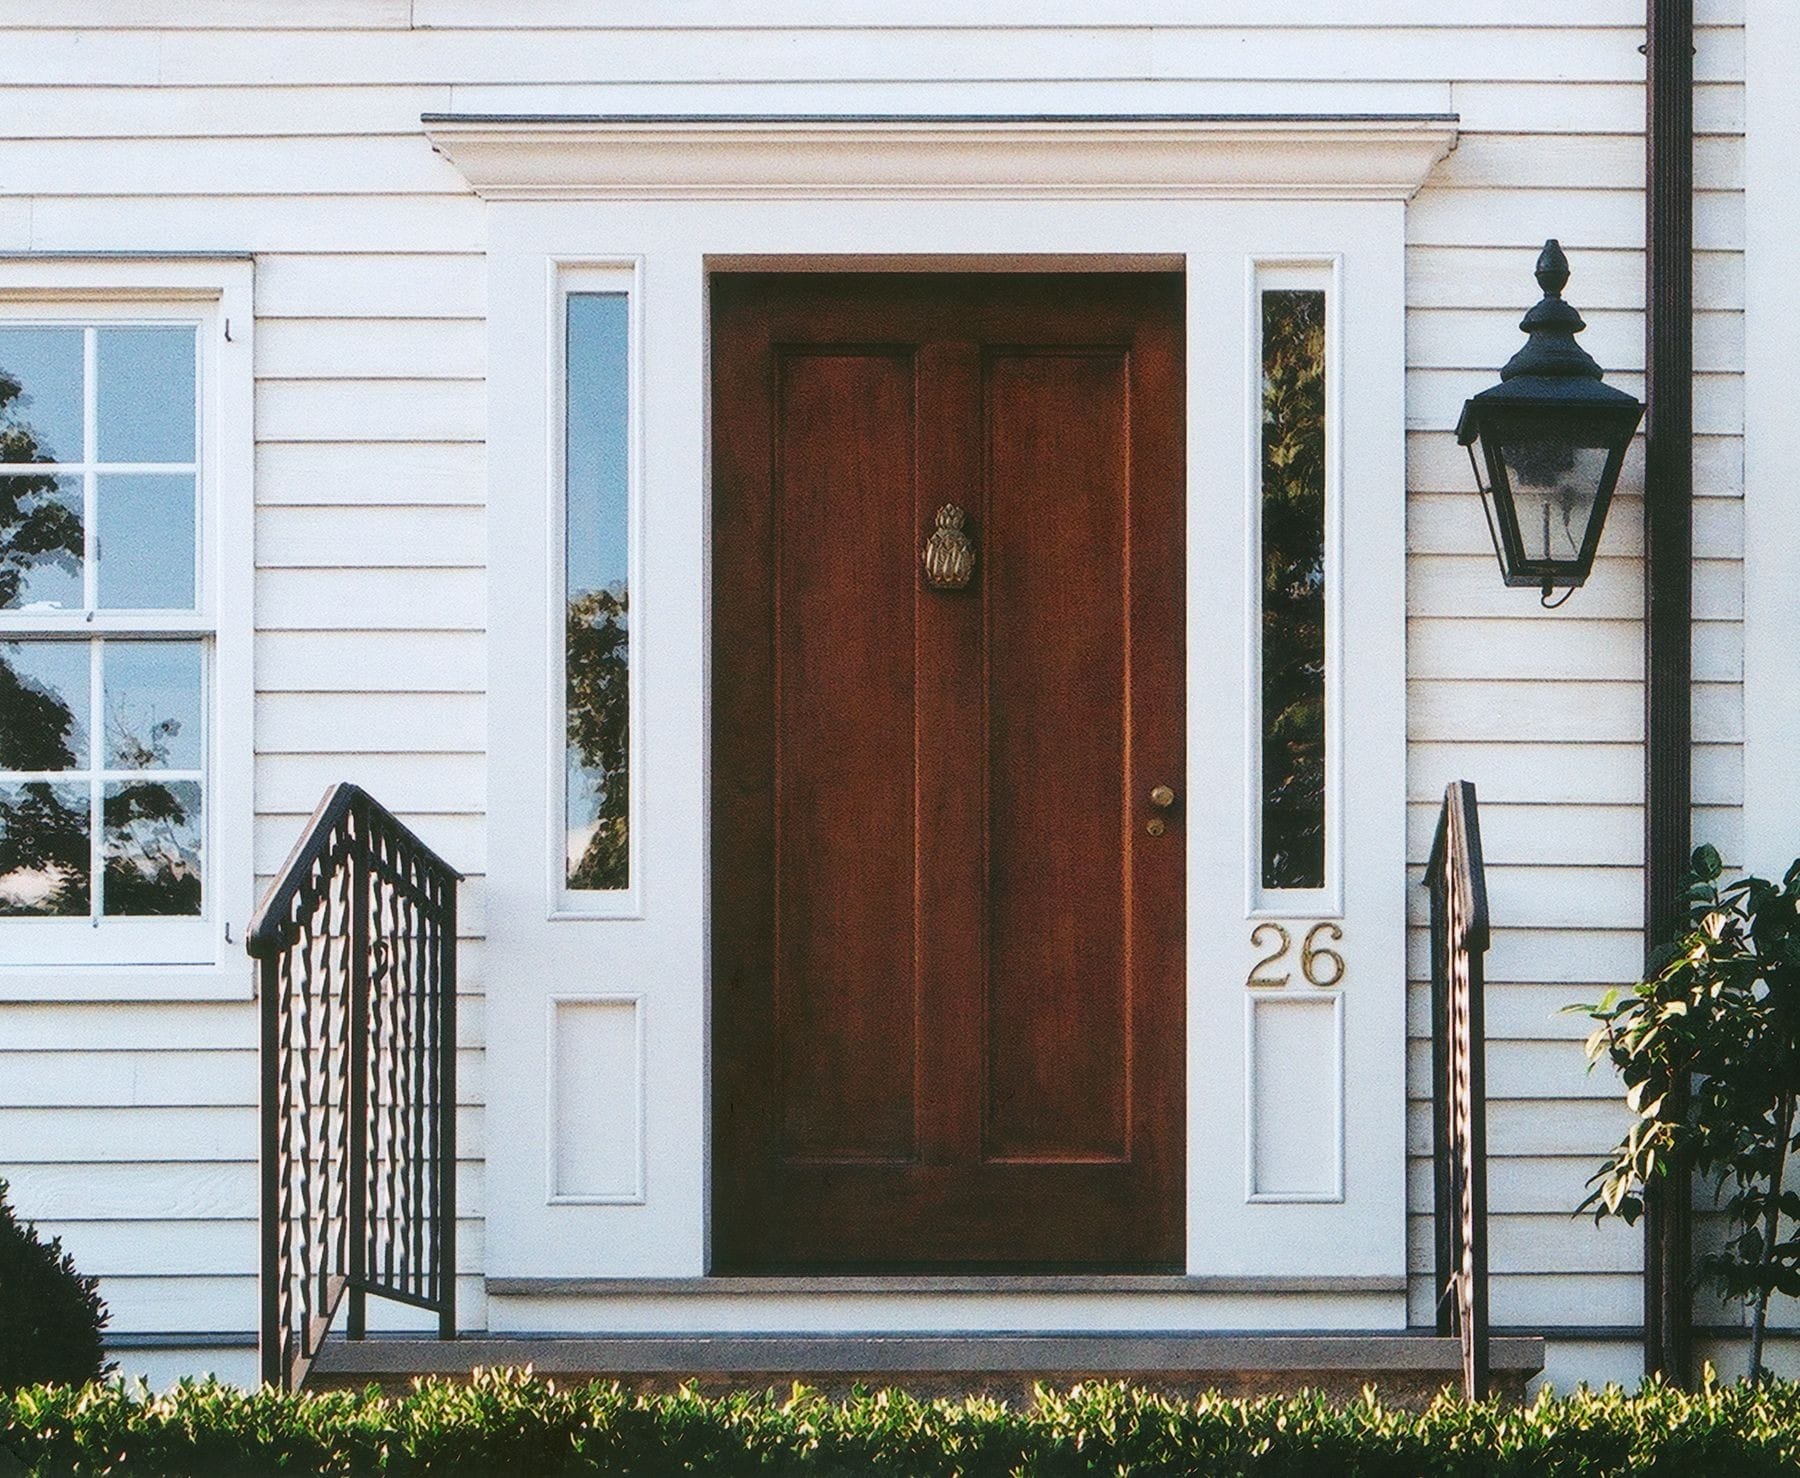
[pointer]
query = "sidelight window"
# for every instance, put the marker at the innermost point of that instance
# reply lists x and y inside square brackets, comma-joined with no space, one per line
[1296,687]
[597,846]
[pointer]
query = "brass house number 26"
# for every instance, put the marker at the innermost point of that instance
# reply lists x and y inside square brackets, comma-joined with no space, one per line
[1322,965]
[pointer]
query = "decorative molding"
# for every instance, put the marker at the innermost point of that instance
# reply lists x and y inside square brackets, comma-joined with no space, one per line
[1241,157]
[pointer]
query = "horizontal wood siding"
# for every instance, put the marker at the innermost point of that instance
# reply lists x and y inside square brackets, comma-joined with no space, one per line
[290,128]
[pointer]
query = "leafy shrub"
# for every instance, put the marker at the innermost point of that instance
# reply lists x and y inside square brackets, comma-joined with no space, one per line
[50,1316]
[508,1423]
[1708,1049]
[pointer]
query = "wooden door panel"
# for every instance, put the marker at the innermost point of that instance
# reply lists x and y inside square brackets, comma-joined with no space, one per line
[1057,1070]
[946,956]
[845,914]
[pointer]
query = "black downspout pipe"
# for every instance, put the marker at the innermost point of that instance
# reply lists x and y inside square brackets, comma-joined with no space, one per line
[1668,602]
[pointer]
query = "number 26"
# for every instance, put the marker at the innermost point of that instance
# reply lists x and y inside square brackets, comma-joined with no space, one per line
[1322,965]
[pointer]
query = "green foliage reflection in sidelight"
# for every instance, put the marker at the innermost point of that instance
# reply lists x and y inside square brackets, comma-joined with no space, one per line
[1293,589]
[597,641]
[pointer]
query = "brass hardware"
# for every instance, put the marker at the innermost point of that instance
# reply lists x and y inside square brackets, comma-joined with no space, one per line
[1162,797]
[1156,826]
[1257,980]
[949,553]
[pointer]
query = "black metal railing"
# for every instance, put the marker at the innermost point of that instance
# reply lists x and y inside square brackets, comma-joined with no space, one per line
[1459,940]
[355,945]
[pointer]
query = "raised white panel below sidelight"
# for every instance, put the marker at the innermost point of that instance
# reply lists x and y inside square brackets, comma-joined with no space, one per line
[1295,1049]
[596,1100]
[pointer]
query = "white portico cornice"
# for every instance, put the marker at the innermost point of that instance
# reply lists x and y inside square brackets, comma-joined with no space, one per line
[999,157]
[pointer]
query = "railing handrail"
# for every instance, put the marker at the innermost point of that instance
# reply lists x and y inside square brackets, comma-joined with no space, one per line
[355,944]
[1457,877]
[269,925]
[1459,829]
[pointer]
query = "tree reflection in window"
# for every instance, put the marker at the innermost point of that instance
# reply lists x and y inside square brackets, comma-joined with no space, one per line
[40,514]
[44,848]
[151,827]
[44,825]
[1293,589]
[597,636]
[599,702]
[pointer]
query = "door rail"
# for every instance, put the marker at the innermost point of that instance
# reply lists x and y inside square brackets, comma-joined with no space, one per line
[1459,941]
[355,944]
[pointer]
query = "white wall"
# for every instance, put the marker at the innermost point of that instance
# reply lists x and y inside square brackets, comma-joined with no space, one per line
[290,128]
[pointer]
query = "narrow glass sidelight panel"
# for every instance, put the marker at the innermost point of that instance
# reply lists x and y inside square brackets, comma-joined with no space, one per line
[1293,483]
[597,554]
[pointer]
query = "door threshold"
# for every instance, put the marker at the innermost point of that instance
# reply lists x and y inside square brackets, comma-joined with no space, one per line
[907,1283]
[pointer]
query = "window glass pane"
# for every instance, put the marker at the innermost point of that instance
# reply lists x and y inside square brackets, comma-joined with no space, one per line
[597,651]
[40,543]
[152,705]
[43,705]
[40,395]
[44,854]
[1554,487]
[1293,589]
[145,541]
[152,847]
[145,392]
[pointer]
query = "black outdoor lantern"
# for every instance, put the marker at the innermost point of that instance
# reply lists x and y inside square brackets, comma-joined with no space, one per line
[1551,439]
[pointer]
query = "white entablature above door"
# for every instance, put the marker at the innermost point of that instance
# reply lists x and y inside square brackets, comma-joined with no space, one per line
[1327,157]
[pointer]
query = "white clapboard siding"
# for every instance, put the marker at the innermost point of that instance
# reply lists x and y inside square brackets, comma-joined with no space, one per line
[290,128]
[152,112]
[383,536]
[300,661]
[341,472]
[292,783]
[441,410]
[388,348]
[424,281]
[368,164]
[363,598]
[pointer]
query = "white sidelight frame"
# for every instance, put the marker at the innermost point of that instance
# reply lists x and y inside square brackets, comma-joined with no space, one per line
[569,279]
[199,959]
[956,195]
[1318,274]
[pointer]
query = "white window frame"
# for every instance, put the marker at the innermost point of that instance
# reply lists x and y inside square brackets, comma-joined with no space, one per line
[1308,274]
[131,958]
[571,278]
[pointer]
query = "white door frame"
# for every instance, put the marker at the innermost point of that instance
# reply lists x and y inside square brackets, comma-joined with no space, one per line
[588,192]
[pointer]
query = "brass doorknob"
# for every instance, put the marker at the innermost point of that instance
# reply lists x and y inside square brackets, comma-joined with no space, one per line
[1162,797]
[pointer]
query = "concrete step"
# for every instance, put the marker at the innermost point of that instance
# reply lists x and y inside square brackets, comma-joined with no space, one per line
[1406,1368]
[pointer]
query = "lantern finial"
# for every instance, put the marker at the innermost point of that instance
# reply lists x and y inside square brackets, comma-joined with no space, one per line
[1551,350]
[1552,269]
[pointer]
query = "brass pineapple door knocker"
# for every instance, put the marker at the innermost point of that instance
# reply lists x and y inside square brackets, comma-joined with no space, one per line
[949,553]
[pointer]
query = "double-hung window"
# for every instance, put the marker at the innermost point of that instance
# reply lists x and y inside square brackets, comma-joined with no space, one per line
[121,833]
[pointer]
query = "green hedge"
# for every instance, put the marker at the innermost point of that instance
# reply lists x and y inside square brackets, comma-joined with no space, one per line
[514,1425]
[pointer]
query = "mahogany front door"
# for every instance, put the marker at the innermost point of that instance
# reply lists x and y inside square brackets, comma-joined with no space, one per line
[948,839]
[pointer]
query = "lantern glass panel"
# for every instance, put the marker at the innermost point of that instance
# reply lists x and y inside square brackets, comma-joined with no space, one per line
[1554,486]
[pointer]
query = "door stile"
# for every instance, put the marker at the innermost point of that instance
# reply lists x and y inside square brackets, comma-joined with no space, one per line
[950,738]
[1157,563]
[742,569]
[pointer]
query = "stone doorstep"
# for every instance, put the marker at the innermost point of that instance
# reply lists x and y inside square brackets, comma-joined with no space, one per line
[1407,1368]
